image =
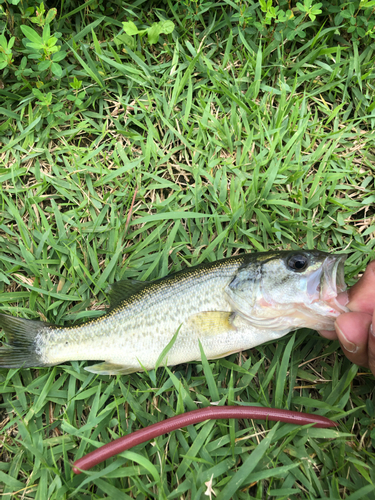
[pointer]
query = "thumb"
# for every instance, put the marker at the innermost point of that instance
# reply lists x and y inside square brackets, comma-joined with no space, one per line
[352,330]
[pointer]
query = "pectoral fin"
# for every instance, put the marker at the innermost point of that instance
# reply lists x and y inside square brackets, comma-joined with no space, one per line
[107,368]
[211,323]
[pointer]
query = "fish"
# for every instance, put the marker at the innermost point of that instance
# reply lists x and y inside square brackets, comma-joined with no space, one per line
[222,307]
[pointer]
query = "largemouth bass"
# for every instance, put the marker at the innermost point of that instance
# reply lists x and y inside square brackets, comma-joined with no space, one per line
[229,305]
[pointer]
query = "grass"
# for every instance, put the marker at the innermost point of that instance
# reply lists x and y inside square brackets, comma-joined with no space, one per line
[218,139]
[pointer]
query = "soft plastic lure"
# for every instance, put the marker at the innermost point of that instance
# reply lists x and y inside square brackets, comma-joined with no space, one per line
[194,417]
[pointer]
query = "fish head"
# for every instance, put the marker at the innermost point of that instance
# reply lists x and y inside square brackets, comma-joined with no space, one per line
[291,289]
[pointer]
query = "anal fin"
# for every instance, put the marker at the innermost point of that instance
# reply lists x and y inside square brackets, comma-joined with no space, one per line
[229,353]
[107,368]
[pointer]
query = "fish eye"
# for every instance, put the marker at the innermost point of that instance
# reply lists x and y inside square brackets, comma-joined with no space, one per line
[297,262]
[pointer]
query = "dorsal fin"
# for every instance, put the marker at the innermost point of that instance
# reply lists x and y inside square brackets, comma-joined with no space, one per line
[124,289]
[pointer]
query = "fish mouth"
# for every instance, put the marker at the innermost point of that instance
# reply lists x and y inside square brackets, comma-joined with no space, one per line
[324,287]
[327,283]
[333,281]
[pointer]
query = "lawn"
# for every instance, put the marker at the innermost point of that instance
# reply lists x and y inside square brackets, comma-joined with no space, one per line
[194,131]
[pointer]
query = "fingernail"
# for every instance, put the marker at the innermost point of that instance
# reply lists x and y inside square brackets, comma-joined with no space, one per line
[371,330]
[349,346]
[343,298]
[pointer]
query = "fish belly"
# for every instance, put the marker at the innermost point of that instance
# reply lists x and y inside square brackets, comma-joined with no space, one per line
[216,342]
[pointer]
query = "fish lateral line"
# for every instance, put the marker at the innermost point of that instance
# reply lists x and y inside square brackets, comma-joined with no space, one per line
[152,431]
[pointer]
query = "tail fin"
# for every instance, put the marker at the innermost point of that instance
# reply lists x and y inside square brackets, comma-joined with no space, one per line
[22,350]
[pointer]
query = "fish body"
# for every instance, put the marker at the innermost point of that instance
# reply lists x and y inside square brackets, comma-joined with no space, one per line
[228,306]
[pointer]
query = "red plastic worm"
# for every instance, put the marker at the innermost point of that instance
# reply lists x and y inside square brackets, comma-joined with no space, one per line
[194,417]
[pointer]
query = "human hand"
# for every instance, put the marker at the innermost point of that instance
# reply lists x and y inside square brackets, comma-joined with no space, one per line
[356,329]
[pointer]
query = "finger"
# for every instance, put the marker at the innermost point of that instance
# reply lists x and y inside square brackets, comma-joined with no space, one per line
[361,295]
[353,333]
[371,346]
[328,334]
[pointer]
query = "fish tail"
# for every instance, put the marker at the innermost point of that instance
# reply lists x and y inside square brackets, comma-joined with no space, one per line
[22,349]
